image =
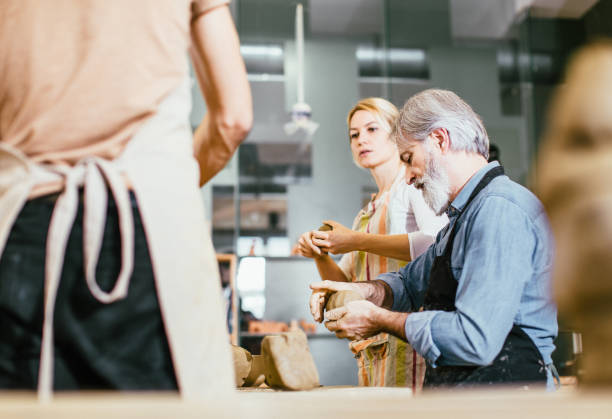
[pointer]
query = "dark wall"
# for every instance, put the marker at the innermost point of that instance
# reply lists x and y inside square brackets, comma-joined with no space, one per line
[557,40]
[598,21]
[266,20]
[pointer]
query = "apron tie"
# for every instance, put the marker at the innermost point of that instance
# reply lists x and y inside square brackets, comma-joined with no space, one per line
[94,174]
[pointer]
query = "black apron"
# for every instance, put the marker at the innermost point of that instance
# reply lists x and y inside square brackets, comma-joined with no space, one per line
[97,346]
[519,360]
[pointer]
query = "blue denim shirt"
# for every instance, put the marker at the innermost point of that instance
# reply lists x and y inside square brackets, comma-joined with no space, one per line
[501,258]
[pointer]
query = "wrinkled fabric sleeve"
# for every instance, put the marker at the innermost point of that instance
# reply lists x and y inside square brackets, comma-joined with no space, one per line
[347,265]
[428,222]
[490,285]
[399,210]
[199,7]
[410,283]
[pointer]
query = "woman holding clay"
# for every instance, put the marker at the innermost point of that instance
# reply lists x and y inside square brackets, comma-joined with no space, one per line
[394,228]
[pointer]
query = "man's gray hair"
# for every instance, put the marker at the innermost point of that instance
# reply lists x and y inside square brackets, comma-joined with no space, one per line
[436,108]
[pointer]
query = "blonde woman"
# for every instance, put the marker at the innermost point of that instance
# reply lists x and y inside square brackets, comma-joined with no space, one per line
[395,227]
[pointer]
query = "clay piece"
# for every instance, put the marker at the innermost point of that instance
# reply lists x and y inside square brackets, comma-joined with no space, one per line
[242,364]
[267,326]
[326,227]
[288,363]
[257,374]
[308,327]
[341,298]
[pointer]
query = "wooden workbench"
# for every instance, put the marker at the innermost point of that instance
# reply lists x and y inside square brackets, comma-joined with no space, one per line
[332,402]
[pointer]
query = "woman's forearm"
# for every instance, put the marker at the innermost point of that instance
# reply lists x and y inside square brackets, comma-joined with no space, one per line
[396,246]
[329,270]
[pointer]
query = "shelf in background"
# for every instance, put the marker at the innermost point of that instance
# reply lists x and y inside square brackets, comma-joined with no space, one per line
[308,335]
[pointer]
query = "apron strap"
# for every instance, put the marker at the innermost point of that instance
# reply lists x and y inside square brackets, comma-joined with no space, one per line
[553,370]
[488,177]
[94,222]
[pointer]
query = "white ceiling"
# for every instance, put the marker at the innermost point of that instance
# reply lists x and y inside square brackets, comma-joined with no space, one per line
[345,16]
[491,19]
[483,19]
[561,8]
[480,19]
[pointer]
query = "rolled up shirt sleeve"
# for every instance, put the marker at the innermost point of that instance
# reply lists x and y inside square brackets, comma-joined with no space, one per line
[409,286]
[199,7]
[497,261]
[410,283]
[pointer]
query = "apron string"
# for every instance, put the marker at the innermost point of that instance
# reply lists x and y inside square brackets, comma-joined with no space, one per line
[95,221]
[61,223]
[94,174]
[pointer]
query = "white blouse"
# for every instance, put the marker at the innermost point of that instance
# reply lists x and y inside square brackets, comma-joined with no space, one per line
[405,212]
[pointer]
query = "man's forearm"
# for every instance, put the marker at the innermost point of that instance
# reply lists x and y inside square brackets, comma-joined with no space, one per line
[388,321]
[377,292]
[392,322]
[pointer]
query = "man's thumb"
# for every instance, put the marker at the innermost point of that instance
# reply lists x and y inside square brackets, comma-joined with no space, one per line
[335,314]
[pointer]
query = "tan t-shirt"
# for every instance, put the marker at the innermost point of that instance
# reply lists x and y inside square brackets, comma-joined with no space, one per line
[78,77]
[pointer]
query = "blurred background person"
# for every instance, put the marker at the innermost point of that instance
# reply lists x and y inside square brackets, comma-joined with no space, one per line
[573,180]
[393,228]
[95,97]
[493,153]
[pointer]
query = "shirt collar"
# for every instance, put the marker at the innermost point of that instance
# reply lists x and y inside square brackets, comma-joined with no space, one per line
[461,199]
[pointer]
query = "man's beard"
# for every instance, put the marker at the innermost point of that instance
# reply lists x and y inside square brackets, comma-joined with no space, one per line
[435,184]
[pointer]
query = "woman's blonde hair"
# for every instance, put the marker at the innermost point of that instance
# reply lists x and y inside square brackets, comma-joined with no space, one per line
[384,111]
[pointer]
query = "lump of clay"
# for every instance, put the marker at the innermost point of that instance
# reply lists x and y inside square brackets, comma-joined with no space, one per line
[257,374]
[267,326]
[342,298]
[326,227]
[288,363]
[242,364]
[308,327]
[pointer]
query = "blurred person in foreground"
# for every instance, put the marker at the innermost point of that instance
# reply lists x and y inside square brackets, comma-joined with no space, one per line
[484,286]
[574,169]
[108,278]
[393,228]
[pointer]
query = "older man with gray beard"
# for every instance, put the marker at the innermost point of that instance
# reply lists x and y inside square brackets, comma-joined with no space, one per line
[477,304]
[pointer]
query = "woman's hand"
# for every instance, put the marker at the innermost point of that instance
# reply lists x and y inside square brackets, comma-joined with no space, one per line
[307,248]
[338,240]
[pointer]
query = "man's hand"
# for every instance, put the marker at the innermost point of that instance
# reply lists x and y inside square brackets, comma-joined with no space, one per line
[357,320]
[376,292]
[362,319]
[338,240]
[321,292]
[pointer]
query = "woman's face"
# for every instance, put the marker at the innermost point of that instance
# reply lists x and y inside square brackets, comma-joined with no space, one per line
[370,143]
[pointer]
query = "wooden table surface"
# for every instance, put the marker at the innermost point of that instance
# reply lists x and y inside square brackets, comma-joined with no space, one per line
[332,402]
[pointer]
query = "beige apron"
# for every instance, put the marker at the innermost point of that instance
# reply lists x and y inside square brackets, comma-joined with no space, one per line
[383,360]
[159,163]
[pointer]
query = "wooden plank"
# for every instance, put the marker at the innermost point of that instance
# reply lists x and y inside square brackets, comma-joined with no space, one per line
[329,402]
